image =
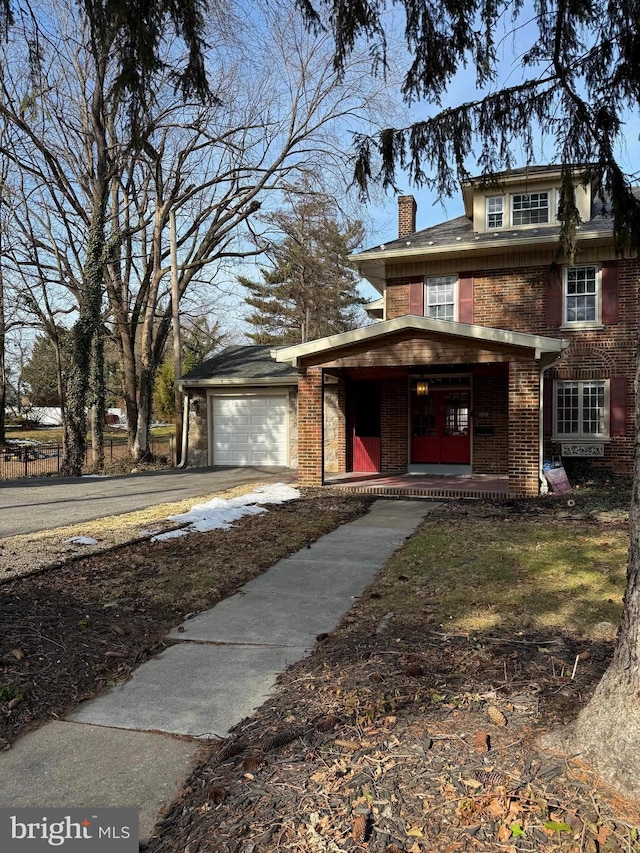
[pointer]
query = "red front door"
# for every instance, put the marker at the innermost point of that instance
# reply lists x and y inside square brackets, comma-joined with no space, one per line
[365,402]
[440,427]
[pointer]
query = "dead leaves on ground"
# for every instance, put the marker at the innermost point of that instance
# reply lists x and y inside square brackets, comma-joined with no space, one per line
[436,761]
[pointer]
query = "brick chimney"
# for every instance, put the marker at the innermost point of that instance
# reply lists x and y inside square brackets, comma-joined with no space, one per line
[407,208]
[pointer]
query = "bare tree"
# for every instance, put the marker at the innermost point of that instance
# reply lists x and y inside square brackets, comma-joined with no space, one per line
[278,111]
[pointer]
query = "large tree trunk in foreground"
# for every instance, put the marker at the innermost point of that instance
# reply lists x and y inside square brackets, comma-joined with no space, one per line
[606,734]
[608,729]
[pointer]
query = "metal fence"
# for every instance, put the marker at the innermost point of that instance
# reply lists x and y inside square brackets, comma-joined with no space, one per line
[39,460]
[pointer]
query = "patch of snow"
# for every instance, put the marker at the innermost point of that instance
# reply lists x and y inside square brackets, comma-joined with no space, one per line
[82,540]
[170,534]
[219,514]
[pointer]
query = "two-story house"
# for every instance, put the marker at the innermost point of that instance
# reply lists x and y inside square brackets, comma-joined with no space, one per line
[489,354]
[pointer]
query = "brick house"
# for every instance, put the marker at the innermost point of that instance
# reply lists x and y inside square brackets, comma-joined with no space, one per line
[489,354]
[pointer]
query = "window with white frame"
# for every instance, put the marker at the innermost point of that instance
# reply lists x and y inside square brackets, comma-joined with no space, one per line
[581,409]
[529,208]
[581,294]
[495,211]
[440,297]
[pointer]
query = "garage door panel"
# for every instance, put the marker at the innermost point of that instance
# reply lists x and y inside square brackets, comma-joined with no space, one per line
[250,431]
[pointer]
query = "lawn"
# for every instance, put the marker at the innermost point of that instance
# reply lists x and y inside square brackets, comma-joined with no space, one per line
[493,573]
[53,435]
[412,728]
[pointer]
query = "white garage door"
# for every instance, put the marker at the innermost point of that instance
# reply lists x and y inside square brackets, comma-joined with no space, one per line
[250,431]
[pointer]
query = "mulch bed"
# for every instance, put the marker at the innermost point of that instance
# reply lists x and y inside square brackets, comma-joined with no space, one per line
[69,632]
[403,738]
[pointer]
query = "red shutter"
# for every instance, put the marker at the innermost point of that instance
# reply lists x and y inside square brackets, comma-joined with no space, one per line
[610,302]
[554,296]
[547,406]
[618,405]
[416,298]
[465,297]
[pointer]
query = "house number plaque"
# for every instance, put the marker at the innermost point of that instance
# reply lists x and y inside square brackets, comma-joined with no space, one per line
[589,450]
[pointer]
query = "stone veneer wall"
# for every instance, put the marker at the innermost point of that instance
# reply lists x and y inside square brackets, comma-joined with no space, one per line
[293,427]
[334,429]
[198,438]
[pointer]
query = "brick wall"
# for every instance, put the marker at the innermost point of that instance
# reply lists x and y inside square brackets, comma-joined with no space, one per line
[394,425]
[310,442]
[397,299]
[407,209]
[491,414]
[515,299]
[524,419]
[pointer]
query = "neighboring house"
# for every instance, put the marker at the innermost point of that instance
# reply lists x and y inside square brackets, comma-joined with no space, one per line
[491,355]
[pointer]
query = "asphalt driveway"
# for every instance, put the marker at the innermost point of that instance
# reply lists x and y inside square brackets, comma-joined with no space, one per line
[27,506]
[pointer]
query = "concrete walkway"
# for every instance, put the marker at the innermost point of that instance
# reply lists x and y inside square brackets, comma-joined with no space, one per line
[135,745]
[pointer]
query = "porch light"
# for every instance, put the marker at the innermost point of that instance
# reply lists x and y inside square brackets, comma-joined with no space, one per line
[422,387]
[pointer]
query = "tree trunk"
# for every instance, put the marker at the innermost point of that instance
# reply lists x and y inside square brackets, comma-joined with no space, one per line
[87,330]
[98,407]
[3,371]
[140,450]
[82,337]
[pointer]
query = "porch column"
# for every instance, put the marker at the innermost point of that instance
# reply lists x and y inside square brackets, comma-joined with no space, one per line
[524,414]
[394,426]
[310,427]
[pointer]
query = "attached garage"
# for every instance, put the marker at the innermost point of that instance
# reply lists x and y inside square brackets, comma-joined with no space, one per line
[250,430]
[242,410]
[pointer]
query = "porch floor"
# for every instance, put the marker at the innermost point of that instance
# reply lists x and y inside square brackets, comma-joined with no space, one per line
[423,485]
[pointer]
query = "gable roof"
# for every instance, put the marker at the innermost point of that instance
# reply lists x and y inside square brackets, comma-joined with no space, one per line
[409,322]
[240,365]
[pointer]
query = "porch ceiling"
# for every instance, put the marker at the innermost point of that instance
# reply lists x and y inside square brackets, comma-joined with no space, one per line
[416,340]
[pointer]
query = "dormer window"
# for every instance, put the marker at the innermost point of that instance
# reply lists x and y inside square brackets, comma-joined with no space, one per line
[529,208]
[495,211]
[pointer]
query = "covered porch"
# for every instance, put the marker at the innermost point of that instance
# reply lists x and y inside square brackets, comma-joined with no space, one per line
[422,406]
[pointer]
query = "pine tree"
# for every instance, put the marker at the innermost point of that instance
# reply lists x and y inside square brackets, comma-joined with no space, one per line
[310,291]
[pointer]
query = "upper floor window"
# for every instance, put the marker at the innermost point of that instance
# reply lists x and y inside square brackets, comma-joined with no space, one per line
[581,409]
[495,211]
[440,297]
[581,295]
[529,208]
